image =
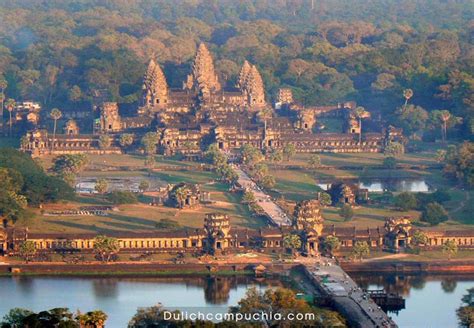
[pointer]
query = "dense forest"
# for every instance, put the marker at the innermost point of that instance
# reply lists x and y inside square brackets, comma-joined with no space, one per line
[58,52]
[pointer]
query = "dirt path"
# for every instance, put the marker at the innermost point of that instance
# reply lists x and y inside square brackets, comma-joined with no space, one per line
[388,257]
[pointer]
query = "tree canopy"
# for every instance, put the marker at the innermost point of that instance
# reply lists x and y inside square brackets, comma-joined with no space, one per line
[377,53]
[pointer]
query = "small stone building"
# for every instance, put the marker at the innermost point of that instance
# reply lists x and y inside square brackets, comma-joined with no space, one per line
[346,193]
[109,119]
[71,128]
[184,195]
[398,232]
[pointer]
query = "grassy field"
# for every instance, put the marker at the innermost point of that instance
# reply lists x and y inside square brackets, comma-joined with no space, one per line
[121,161]
[9,142]
[296,180]
[300,182]
[141,216]
[293,184]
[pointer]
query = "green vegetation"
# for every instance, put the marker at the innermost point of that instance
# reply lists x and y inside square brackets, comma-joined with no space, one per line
[292,242]
[331,244]
[69,165]
[405,201]
[25,182]
[324,199]
[360,250]
[374,53]
[460,163]
[101,186]
[434,214]
[106,247]
[450,248]
[466,311]
[105,141]
[122,197]
[273,300]
[57,317]
[27,250]
[346,212]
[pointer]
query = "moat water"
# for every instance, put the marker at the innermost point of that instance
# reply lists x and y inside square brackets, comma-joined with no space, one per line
[431,301]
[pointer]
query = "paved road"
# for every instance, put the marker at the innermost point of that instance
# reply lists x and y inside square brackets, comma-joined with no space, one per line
[273,211]
[349,298]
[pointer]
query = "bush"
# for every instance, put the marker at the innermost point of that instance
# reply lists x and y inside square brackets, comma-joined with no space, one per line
[405,201]
[389,162]
[441,196]
[346,212]
[122,197]
[37,186]
[434,214]
[167,224]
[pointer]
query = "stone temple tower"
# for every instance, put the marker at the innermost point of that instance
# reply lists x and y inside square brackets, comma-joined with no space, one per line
[155,87]
[308,221]
[203,78]
[217,228]
[251,85]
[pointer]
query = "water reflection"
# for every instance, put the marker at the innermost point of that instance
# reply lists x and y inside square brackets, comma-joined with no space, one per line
[431,301]
[105,287]
[120,297]
[381,185]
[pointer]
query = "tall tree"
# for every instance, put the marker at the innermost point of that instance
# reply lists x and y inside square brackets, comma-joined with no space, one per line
[289,151]
[407,94]
[361,113]
[466,311]
[450,248]
[105,141]
[444,119]
[106,247]
[55,115]
[3,86]
[360,250]
[27,250]
[292,242]
[101,186]
[10,105]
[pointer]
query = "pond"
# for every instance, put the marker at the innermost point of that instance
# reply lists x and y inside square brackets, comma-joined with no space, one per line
[86,185]
[381,185]
[430,301]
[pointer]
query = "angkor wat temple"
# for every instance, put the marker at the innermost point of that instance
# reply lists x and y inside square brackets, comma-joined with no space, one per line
[187,120]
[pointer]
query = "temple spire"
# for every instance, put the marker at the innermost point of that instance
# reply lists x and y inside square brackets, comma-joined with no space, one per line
[254,88]
[244,74]
[203,76]
[155,87]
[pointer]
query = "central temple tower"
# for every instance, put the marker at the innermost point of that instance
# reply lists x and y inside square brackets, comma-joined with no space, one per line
[203,77]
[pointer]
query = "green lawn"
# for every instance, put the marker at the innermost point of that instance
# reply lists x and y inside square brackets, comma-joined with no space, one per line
[9,142]
[142,217]
[364,217]
[293,184]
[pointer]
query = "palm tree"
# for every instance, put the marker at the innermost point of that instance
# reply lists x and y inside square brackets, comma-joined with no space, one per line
[55,115]
[450,247]
[264,114]
[444,116]
[10,105]
[3,86]
[97,318]
[361,113]
[407,93]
